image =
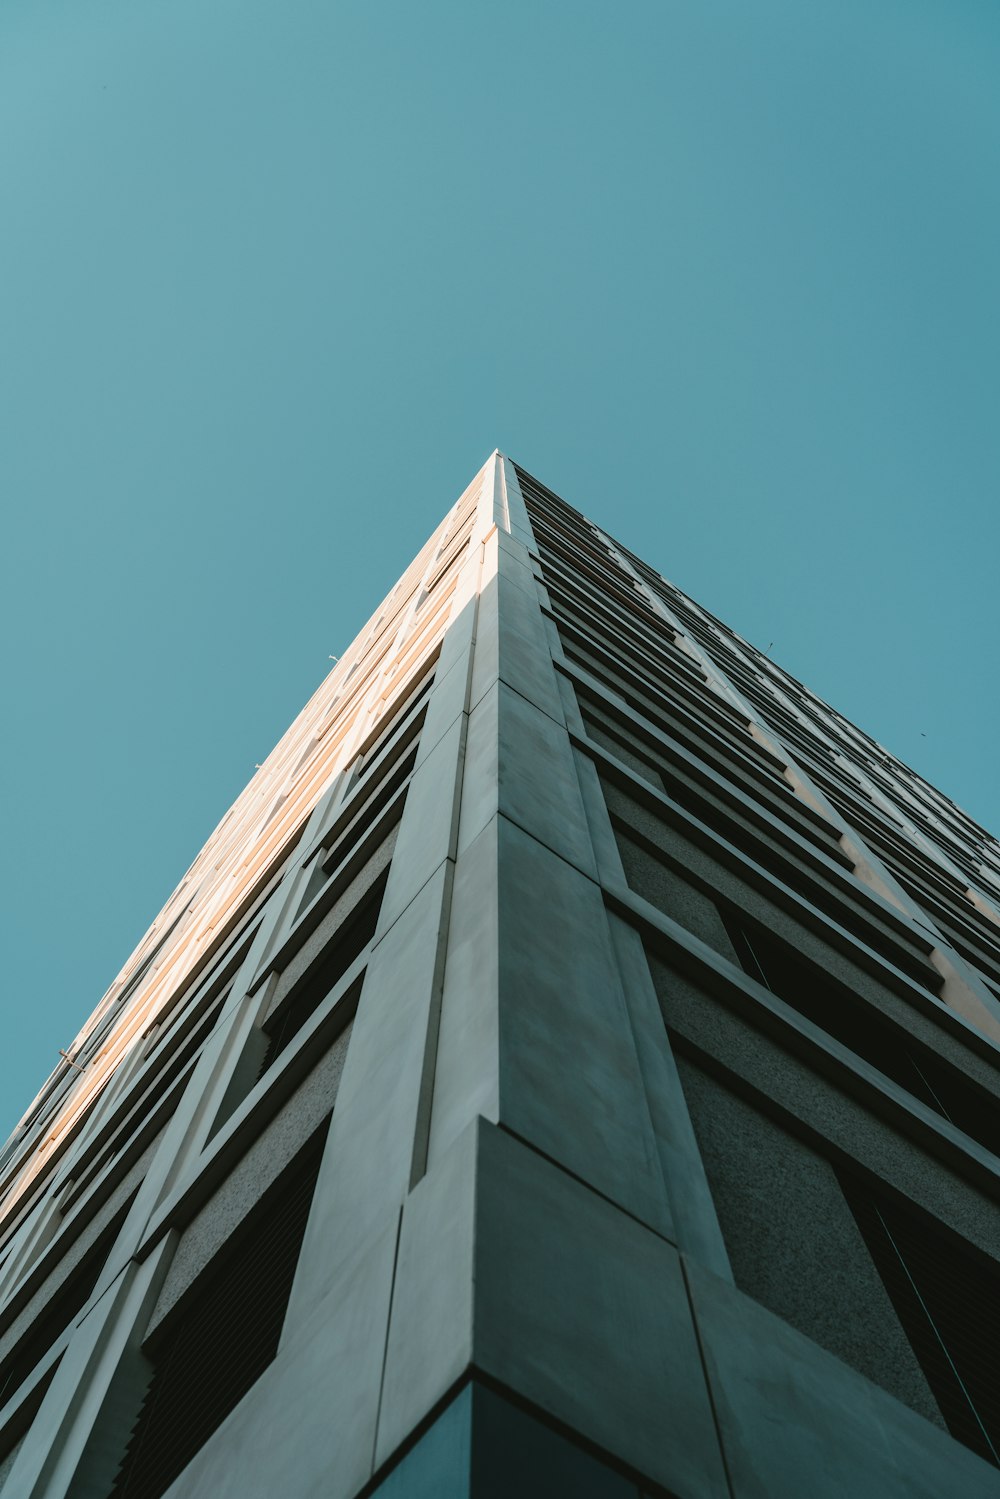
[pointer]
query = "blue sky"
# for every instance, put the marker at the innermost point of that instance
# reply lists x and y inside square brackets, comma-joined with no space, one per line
[276,278]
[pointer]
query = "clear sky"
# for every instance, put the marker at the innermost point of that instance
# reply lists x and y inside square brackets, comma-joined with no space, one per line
[275,278]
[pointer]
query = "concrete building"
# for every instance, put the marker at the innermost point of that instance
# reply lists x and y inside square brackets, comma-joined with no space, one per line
[570,1068]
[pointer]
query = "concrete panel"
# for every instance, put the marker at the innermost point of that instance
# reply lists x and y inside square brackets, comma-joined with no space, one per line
[516,510]
[692,1212]
[486,665]
[538,788]
[508,1264]
[429,829]
[674,896]
[525,652]
[602,838]
[480,791]
[524,535]
[511,642]
[368,1161]
[830,1111]
[567,691]
[307,1427]
[520,762]
[430,1332]
[466,1078]
[449,696]
[797,1421]
[460,632]
[793,1241]
[516,549]
[561,997]
[583,1312]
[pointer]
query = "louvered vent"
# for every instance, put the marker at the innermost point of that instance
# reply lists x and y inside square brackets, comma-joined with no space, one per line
[948,1301]
[223,1338]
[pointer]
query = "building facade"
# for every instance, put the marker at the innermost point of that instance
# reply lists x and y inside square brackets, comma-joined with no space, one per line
[570,1068]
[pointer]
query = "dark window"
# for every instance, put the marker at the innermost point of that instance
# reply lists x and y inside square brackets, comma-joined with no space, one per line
[948,1301]
[305,999]
[16,1428]
[222,1337]
[857,1025]
[65,1304]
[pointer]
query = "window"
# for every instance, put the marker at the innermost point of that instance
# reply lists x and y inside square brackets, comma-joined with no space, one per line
[305,998]
[64,1305]
[947,1298]
[222,1337]
[859,1026]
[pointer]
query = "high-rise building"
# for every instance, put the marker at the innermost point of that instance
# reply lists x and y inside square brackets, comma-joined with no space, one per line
[570,1069]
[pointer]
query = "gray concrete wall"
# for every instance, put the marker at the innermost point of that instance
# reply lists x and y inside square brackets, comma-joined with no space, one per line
[792,1240]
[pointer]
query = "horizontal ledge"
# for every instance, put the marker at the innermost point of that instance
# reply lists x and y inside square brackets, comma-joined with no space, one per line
[735,989]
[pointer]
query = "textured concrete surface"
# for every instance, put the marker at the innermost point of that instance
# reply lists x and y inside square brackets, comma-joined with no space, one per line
[8,1462]
[833,1114]
[262,1164]
[618,744]
[796,1421]
[560,991]
[792,1240]
[675,896]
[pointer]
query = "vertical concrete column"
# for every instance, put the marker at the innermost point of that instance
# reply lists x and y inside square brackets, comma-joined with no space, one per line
[377,1141]
[535,1032]
[538,1247]
[695,1226]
